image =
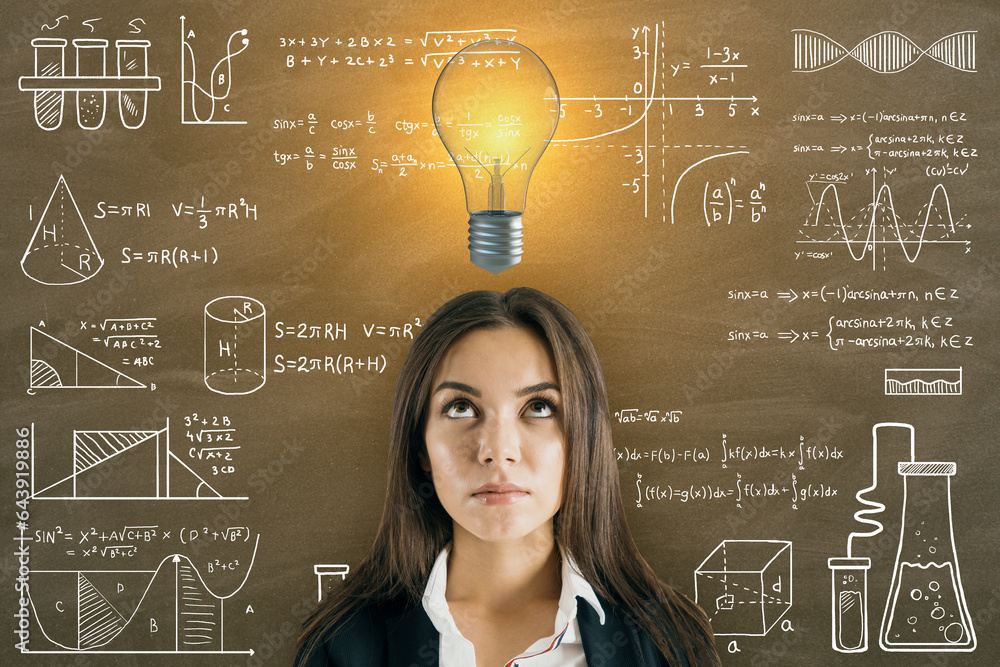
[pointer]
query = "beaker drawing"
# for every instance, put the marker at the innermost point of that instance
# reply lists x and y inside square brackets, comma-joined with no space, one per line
[235,345]
[850,603]
[90,103]
[132,63]
[50,55]
[926,608]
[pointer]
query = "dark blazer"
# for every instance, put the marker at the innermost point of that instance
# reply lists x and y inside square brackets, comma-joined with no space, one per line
[403,636]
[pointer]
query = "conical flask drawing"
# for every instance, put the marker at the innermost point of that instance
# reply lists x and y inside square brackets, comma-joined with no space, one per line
[61,251]
[926,608]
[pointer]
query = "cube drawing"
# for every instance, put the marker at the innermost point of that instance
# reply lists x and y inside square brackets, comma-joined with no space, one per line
[745,586]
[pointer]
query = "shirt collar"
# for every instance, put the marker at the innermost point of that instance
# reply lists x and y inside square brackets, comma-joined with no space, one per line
[573,586]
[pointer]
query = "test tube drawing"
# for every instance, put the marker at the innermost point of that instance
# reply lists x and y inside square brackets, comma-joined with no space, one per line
[132,63]
[50,61]
[850,604]
[326,576]
[235,345]
[90,103]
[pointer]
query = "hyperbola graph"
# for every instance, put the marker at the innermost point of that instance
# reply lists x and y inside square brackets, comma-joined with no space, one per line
[126,465]
[877,226]
[887,52]
[168,610]
[638,123]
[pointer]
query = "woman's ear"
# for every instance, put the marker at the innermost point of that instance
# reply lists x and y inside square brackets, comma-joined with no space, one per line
[425,461]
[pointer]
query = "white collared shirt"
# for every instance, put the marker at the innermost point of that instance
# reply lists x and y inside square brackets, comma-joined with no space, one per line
[563,648]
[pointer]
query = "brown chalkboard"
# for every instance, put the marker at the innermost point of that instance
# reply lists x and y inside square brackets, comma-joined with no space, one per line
[224,222]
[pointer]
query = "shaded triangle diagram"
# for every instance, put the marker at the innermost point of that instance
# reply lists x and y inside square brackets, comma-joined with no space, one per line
[130,465]
[99,622]
[54,364]
[61,251]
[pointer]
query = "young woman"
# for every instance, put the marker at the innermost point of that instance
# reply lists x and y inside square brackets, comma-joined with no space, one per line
[503,540]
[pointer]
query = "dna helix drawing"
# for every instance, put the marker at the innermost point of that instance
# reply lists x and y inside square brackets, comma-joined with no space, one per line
[887,52]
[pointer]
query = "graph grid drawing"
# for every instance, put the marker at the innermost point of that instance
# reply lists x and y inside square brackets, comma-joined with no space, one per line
[173,610]
[887,52]
[877,225]
[58,365]
[202,105]
[923,381]
[127,465]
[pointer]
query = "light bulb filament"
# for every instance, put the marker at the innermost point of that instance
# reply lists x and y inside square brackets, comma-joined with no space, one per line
[494,196]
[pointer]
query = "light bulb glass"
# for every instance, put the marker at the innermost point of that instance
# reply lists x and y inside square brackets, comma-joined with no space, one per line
[496,107]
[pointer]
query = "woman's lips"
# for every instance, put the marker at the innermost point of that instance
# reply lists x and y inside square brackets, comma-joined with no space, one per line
[499,494]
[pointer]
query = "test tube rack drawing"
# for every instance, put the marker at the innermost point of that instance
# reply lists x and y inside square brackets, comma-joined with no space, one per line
[91,82]
[925,609]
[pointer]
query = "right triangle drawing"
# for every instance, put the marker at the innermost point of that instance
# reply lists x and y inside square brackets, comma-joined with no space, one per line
[54,364]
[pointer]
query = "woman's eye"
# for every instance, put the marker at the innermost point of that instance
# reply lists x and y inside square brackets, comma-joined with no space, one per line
[539,408]
[460,410]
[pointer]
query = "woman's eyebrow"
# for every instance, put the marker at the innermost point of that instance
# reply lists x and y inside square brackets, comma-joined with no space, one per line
[458,386]
[535,388]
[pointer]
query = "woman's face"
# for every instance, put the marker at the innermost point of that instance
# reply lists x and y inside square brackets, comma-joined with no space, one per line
[494,434]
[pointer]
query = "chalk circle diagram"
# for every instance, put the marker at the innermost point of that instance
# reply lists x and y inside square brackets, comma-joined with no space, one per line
[235,345]
[57,365]
[691,202]
[61,251]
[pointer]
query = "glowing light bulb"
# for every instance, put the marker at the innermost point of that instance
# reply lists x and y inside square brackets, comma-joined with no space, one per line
[496,108]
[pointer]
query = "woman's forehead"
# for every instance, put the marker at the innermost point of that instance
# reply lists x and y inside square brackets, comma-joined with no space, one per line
[507,355]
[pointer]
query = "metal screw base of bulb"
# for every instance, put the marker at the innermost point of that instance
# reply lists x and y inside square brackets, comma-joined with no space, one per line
[495,240]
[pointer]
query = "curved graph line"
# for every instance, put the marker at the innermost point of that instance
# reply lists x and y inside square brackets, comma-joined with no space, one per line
[678,183]
[211,94]
[870,238]
[645,110]
[142,599]
[886,52]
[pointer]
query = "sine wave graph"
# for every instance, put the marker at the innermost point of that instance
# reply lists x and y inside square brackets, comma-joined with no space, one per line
[887,52]
[168,610]
[876,225]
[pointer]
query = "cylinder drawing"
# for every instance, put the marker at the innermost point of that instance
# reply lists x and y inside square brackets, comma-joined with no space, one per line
[50,61]
[90,104]
[235,345]
[926,608]
[132,63]
[850,603]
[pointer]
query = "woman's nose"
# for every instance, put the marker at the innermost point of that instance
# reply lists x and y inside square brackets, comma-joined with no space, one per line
[499,442]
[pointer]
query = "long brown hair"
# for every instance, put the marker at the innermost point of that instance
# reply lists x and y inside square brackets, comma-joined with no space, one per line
[590,525]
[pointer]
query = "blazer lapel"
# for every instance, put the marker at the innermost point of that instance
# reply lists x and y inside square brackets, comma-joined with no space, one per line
[412,640]
[614,643]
